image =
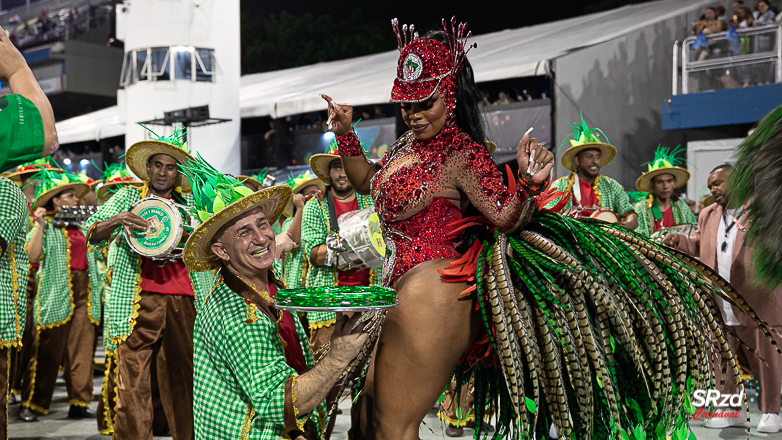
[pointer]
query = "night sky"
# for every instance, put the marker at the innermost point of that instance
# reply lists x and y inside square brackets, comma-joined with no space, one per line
[482,16]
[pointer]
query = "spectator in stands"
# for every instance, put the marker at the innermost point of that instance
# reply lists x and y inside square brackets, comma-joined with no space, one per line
[503,99]
[709,24]
[765,14]
[745,19]
[485,98]
[721,17]
[737,6]
[379,112]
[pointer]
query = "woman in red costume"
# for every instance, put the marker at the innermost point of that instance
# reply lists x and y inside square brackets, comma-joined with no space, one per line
[424,184]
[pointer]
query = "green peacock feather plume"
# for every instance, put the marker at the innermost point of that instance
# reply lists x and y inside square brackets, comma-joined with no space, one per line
[294,181]
[665,157]
[260,175]
[212,190]
[46,180]
[177,138]
[582,134]
[756,180]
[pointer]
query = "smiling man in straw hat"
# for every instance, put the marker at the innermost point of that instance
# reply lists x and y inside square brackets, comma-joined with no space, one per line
[151,308]
[61,300]
[585,157]
[254,374]
[662,208]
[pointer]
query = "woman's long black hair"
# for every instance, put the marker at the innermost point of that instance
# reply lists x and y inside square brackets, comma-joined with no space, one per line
[468,99]
[469,118]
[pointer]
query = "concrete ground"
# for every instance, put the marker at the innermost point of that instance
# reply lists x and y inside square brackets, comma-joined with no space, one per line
[57,426]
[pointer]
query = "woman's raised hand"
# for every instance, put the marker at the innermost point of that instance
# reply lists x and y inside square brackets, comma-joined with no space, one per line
[535,162]
[340,119]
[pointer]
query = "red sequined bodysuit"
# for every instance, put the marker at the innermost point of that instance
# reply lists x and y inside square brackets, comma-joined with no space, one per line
[414,188]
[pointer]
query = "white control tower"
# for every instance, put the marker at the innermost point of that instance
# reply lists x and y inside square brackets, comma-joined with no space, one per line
[181,54]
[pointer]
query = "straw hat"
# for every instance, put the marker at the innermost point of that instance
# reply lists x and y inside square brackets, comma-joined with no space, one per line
[585,138]
[664,162]
[33,167]
[215,211]
[298,184]
[173,145]
[115,176]
[53,183]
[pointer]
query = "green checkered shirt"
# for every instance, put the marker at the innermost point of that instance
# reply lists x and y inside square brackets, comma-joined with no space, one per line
[54,299]
[611,194]
[13,263]
[294,267]
[97,271]
[240,371]
[681,214]
[123,269]
[314,229]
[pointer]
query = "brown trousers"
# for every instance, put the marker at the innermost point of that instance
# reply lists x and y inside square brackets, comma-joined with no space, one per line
[163,334]
[107,410]
[5,374]
[20,359]
[49,350]
[768,377]
[80,351]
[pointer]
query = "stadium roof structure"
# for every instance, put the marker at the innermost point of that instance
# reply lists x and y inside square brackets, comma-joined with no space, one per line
[366,80]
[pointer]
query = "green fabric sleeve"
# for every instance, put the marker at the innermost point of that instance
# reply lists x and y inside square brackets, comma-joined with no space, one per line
[13,212]
[120,202]
[21,131]
[643,226]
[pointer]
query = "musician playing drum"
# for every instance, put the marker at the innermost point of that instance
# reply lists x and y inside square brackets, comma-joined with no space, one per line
[662,208]
[61,303]
[591,190]
[151,308]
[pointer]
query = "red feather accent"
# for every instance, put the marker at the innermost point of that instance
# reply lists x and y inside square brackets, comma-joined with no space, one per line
[511,180]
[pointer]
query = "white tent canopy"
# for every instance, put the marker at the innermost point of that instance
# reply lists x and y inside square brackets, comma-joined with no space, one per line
[367,80]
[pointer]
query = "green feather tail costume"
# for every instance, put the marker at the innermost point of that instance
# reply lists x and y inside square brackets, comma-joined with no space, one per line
[595,330]
[756,180]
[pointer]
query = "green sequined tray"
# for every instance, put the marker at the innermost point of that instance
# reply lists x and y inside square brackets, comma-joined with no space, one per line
[336,299]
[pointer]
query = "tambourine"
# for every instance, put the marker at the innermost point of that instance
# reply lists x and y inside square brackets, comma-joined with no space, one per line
[336,299]
[73,215]
[167,223]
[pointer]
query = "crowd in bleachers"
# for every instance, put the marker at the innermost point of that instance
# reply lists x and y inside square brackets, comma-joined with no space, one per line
[57,25]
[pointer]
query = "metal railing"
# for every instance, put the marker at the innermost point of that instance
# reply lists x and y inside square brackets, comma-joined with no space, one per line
[726,60]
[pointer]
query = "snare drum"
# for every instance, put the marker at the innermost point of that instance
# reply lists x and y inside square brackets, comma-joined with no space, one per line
[167,223]
[606,215]
[336,299]
[360,231]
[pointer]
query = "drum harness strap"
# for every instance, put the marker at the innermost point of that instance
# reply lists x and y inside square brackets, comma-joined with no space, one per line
[333,224]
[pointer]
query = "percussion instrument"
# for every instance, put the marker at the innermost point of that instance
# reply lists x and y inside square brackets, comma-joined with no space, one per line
[336,299]
[359,242]
[162,241]
[595,212]
[606,215]
[268,181]
[688,229]
[73,215]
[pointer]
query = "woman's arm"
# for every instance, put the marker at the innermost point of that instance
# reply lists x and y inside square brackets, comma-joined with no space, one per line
[472,170]
[357,167]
